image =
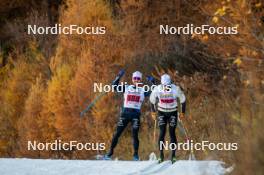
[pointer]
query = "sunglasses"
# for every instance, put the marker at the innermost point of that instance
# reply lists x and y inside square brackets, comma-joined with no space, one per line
[136,78]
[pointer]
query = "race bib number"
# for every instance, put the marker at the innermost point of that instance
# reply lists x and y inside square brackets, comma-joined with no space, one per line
[133,98]
[166,100]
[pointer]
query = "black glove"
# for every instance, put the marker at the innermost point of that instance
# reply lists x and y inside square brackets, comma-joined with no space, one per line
[151,79]
[121,73]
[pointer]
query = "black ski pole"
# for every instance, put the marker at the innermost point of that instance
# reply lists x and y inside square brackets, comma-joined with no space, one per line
[119,76]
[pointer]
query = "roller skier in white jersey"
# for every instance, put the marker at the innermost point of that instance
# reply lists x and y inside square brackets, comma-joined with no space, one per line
[164,101]
[133,98]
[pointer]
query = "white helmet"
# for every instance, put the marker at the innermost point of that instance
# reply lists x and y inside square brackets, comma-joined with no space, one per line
[137,75]
[165,79]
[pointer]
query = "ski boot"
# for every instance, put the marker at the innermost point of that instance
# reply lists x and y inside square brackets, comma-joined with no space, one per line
[107,157]
[173,160]
[135,158]
[161,158]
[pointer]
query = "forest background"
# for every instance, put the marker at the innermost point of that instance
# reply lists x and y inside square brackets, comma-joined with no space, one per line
[47,80]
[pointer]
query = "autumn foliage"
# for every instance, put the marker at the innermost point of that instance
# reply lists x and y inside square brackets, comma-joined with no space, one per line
[45,82]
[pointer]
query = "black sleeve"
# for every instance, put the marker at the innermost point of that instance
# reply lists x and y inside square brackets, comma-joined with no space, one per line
[183,105]
[147,94]
[152,107]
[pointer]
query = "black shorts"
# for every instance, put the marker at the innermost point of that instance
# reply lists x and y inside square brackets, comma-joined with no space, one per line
[167,117]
